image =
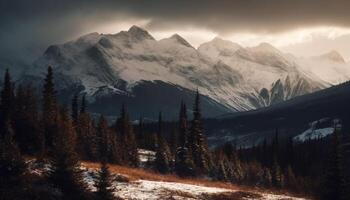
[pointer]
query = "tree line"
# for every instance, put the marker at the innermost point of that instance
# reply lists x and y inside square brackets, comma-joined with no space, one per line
[63,136]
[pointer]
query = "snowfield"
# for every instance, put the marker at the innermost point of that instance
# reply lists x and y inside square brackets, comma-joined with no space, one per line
[312,134]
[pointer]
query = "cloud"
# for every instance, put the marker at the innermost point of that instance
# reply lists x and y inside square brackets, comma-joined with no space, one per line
[29,26]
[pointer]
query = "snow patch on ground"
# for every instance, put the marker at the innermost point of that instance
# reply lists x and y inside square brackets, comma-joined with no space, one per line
[312,134]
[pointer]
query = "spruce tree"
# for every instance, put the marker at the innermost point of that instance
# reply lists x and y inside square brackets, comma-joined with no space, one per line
[83,104]
[103,184]
[103,181]
[126,139]
[7,100]
[333,183]
[162,161]
[107,142]
[26,120]
[65,173]
[74,111]
[290,179]
[197,141]
[140,134]
[49,108]
[12,166]
[276,174]
[184,165]
[87,143]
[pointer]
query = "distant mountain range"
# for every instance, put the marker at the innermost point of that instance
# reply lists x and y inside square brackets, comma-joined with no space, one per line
[154,75]
[310,116]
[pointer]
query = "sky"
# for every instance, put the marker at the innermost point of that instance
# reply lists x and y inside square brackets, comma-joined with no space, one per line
[301,27]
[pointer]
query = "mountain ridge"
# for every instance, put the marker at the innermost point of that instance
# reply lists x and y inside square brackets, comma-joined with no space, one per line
[238,78]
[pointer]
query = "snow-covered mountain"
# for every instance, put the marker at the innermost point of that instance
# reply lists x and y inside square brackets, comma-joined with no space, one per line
[230,76]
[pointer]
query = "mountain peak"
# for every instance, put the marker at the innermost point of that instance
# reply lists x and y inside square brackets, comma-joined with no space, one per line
[265,47]
[334,56]
[219,41]
[218,46]
[180,40]
[139,33]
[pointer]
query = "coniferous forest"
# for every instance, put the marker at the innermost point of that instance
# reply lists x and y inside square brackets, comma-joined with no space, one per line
[35,125]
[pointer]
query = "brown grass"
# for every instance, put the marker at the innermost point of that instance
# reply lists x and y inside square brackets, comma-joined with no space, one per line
[136,174]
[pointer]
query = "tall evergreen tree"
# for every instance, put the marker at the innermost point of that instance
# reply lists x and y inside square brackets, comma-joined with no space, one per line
[83,104]
[64,172]
[197,140]
[184,165]
[12,166]
[107,142]
[74,111]
[104,190]
[103,181]
[333,185]
[26,120]
[140,134]
[87,144]
[163,158]
[49,108]
[7,99]
[126,139]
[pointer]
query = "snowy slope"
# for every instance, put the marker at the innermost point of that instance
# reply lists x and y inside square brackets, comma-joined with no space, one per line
[312,134]
[236,77]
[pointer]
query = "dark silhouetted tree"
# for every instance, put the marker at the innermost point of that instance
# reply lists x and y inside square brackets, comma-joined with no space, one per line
[12,166]
[162,161]
[126,139]
[197,141]
[333,185]
[49,108]
[107,142]
[75,108]
[7,100]
[83,104]
[65,173]
[26,120]
[184,165]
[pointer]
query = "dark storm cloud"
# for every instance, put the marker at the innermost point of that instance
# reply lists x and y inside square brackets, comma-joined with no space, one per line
[27,26]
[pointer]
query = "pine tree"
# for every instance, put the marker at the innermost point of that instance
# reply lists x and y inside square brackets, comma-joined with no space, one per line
[184,165]
[87,137]
[7,96]
[126,139]
[12,166]
[64,172]
[276,174]
[197,140]
[107,142]
[49,108]
[7,99]
[103,182]
[74,112]
[26,120]
[162,161]
[174,142]
[333,185]
[104,190]
[83,104]
[140,134]
[290,179]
